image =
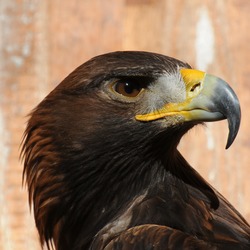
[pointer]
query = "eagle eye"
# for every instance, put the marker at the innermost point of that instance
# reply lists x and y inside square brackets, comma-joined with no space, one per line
[128,88]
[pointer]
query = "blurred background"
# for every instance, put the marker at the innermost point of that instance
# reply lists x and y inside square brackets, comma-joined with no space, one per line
[43,41]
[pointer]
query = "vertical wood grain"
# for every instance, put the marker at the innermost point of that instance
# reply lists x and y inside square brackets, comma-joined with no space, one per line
[19,89]
[43,41]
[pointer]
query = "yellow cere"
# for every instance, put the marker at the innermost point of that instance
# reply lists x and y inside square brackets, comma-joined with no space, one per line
[193,79]
[192,75]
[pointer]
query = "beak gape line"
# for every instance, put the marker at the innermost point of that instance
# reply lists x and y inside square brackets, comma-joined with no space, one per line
[208,98]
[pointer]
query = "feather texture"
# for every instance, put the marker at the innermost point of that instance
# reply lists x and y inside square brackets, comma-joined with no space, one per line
[99,179]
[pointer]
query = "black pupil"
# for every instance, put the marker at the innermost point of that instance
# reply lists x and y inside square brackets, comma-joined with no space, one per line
[129,87]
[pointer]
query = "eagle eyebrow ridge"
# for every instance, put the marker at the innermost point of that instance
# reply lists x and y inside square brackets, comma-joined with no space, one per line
[144,81]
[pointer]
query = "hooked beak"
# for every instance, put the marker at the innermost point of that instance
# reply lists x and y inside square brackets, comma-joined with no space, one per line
[208,98]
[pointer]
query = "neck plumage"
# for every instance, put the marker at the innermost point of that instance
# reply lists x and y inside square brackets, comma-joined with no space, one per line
[101,191]
[77,188]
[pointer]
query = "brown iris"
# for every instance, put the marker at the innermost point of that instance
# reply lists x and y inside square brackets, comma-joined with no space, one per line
[128,88]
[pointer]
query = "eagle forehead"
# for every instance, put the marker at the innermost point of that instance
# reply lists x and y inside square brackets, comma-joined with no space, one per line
[136,61]
[119,64]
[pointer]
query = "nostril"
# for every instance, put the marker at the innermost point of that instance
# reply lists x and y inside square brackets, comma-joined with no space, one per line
[195,87]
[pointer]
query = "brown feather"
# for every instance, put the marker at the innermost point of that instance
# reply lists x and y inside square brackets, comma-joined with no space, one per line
[99,179]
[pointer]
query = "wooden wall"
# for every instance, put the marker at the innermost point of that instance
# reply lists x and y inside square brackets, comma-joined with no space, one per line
[44,40]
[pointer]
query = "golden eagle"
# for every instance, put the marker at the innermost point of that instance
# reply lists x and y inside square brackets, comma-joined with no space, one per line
[101,160]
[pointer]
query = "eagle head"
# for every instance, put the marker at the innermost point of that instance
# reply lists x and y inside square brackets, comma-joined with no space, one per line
[108,133]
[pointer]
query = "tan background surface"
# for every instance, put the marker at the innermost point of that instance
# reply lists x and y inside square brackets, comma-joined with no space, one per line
[41,41]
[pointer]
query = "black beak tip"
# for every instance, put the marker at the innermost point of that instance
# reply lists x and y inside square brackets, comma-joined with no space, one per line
[233,125]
